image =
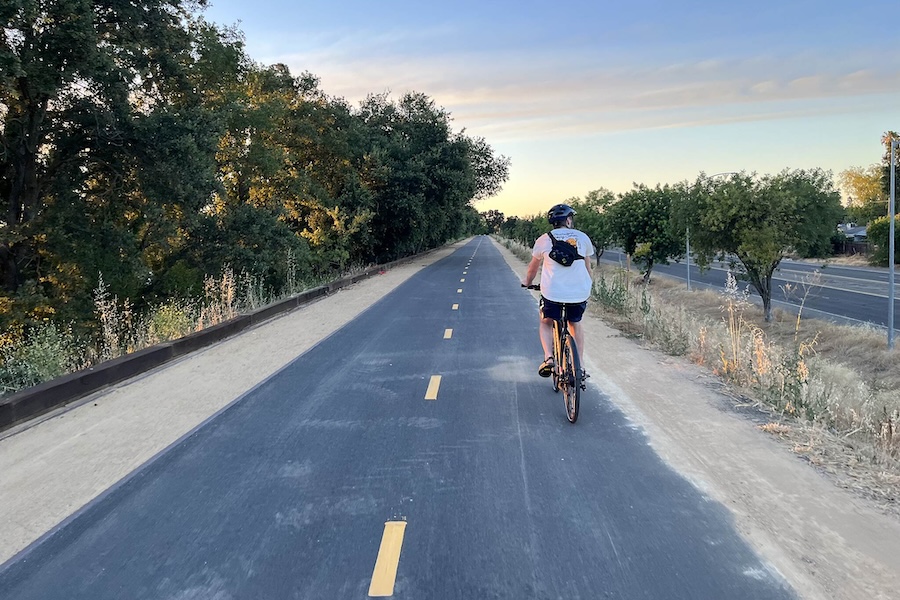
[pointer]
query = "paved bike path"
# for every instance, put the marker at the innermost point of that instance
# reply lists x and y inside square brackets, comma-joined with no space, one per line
[285,494]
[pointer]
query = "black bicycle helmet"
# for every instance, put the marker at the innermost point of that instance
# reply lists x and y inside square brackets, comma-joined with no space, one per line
[560,213]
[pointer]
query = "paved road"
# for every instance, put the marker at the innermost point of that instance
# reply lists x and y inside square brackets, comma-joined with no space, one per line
[842,294]
[310,484]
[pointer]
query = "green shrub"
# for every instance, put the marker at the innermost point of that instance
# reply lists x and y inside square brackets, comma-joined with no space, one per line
[171,320]
[612,292]
[46,352]
[878,232]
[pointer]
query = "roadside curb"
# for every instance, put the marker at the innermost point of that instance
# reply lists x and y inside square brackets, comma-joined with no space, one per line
[35,401]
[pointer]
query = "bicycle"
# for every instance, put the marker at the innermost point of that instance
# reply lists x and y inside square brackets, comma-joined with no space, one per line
[567,372]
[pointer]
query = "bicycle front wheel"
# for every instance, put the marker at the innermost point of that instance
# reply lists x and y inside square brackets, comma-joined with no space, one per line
[570,379]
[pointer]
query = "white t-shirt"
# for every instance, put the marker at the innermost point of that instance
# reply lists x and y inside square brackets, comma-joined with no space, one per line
[564,284]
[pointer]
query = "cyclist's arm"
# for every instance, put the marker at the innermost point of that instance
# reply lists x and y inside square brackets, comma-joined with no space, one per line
[531,273]
[587,259]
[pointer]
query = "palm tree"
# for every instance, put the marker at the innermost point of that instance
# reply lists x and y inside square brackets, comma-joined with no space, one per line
[886,139]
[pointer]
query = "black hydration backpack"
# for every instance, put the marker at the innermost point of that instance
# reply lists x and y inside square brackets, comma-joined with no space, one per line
[563,252]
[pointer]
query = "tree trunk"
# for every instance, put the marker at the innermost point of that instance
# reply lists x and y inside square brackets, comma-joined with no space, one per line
[647,272]
[766,294]
[23,140]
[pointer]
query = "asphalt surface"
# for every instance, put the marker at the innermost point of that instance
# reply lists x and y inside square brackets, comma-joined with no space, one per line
[842,294]
[287,492]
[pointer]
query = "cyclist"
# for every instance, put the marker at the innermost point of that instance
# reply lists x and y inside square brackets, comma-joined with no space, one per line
[561,285]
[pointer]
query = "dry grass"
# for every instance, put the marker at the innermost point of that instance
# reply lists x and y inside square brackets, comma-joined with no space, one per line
[856,260]
[49,351]
[832,391]
[861,349]
[776,428]
[123,332]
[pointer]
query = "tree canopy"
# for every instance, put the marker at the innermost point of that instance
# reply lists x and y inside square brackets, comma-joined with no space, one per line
[758,220]
[867,198]
[752,221]
[593,217]
[641,224]
[142,143]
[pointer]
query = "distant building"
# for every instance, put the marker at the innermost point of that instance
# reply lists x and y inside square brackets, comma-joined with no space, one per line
[853,232]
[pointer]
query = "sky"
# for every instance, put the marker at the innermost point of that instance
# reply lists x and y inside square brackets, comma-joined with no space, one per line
[583,95]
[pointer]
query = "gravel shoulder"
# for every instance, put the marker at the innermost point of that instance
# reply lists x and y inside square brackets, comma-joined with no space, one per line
[825,541]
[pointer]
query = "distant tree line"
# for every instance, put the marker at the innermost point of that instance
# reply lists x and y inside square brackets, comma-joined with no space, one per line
[140,142]
[753,221]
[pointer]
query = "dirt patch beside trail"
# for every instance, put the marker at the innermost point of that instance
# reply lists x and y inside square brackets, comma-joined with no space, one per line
[826,542]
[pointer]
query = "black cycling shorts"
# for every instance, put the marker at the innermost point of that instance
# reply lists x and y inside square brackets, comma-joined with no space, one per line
[553,310]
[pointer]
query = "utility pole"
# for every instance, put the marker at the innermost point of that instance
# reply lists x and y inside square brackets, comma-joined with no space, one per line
[891,209]
[687,254]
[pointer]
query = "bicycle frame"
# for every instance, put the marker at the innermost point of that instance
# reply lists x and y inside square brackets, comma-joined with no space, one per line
[567,372]
[560,333]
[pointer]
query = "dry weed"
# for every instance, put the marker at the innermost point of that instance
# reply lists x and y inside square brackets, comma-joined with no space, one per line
[775,428]
[839,379]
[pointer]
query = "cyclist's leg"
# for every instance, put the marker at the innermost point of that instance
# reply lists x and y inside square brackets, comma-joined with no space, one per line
[546,332]
[577,331]
[575,312]
[548,311]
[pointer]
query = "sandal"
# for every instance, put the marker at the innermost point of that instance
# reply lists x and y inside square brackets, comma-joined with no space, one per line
[546,368]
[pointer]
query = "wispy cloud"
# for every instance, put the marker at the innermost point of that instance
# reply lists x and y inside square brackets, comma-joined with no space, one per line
[574,91]
[514,94]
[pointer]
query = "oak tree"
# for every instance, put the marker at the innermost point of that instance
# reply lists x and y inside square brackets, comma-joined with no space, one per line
[757,220]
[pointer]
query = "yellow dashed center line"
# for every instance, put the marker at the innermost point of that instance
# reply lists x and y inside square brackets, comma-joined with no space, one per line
[463,280]
[448,333]
[433,387]
[459,291]
[455,307]
[385,574]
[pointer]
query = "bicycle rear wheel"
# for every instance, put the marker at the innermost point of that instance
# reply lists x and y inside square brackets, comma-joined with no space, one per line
[570,379]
